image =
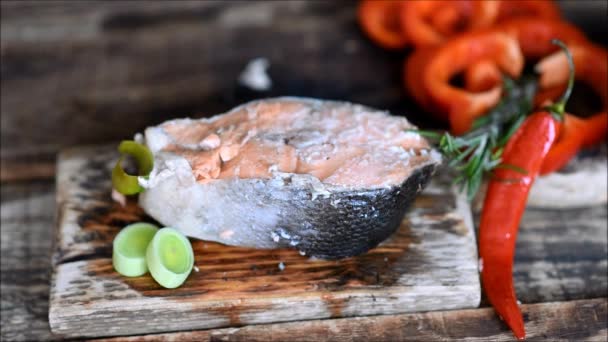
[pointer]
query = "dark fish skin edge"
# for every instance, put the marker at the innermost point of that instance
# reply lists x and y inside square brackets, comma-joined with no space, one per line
[356,222]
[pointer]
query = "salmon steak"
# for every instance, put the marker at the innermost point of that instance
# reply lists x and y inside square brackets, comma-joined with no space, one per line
[331,179]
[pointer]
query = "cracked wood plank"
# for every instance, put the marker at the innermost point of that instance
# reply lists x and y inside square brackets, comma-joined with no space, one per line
[582,320]
[430,263]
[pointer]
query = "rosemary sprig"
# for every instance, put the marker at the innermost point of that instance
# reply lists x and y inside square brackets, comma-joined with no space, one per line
[479,151]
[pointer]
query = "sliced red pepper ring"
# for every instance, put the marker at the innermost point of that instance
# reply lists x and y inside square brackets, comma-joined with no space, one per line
[574,134]
[546,96]
[528,8]
[591,68]
[596,129]
[482,76]
[380,21]
[534,37]
[447,20]
[418,19]
[454,57]
[484,14]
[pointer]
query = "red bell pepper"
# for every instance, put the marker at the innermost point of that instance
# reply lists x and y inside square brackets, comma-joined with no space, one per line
[534,36]
[591,67]
[545,9]
[453,57]
[380,21]
[431,22]
[482,76]
[574,134]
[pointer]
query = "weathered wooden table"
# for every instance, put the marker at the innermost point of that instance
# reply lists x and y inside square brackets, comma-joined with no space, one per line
[90,72]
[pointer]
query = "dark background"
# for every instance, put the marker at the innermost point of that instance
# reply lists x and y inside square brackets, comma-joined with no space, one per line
[84,72]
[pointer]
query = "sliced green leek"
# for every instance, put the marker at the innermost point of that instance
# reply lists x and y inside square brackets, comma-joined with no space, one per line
[129,249]
[123,182]
[170,258]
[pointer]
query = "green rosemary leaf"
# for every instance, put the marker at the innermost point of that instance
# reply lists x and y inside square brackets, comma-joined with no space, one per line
[473,186]
[512,168]
[510,131]
[497,153]
[491,165]
[478,152]
[460,156]
[426,133]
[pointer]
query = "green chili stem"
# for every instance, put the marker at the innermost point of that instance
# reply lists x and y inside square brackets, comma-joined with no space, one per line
[559,107]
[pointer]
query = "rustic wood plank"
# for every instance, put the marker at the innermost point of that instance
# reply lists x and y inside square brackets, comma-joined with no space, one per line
[26,171]
[70,26]
[25,292]
[583,320]
[562,252]
[83,63]
[30,163]
[93,87]
[27,213]
[430,263]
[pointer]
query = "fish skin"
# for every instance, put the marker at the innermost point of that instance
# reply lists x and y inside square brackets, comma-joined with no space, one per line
[324,221]
[357,223]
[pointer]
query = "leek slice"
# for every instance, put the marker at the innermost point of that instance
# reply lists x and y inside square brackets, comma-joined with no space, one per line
[170,258]
[123,182]
[129,249]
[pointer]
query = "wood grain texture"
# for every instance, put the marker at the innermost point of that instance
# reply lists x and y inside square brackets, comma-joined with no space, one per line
[62,52]
[28,164]
[27,214]
[583,320]
[105,70]
[562,252]
[27,224]
[99,71]
[430,263]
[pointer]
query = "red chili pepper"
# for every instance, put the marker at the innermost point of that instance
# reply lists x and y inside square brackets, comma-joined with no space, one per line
[576,133]
[380,21]
[505,203]
[502,210]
